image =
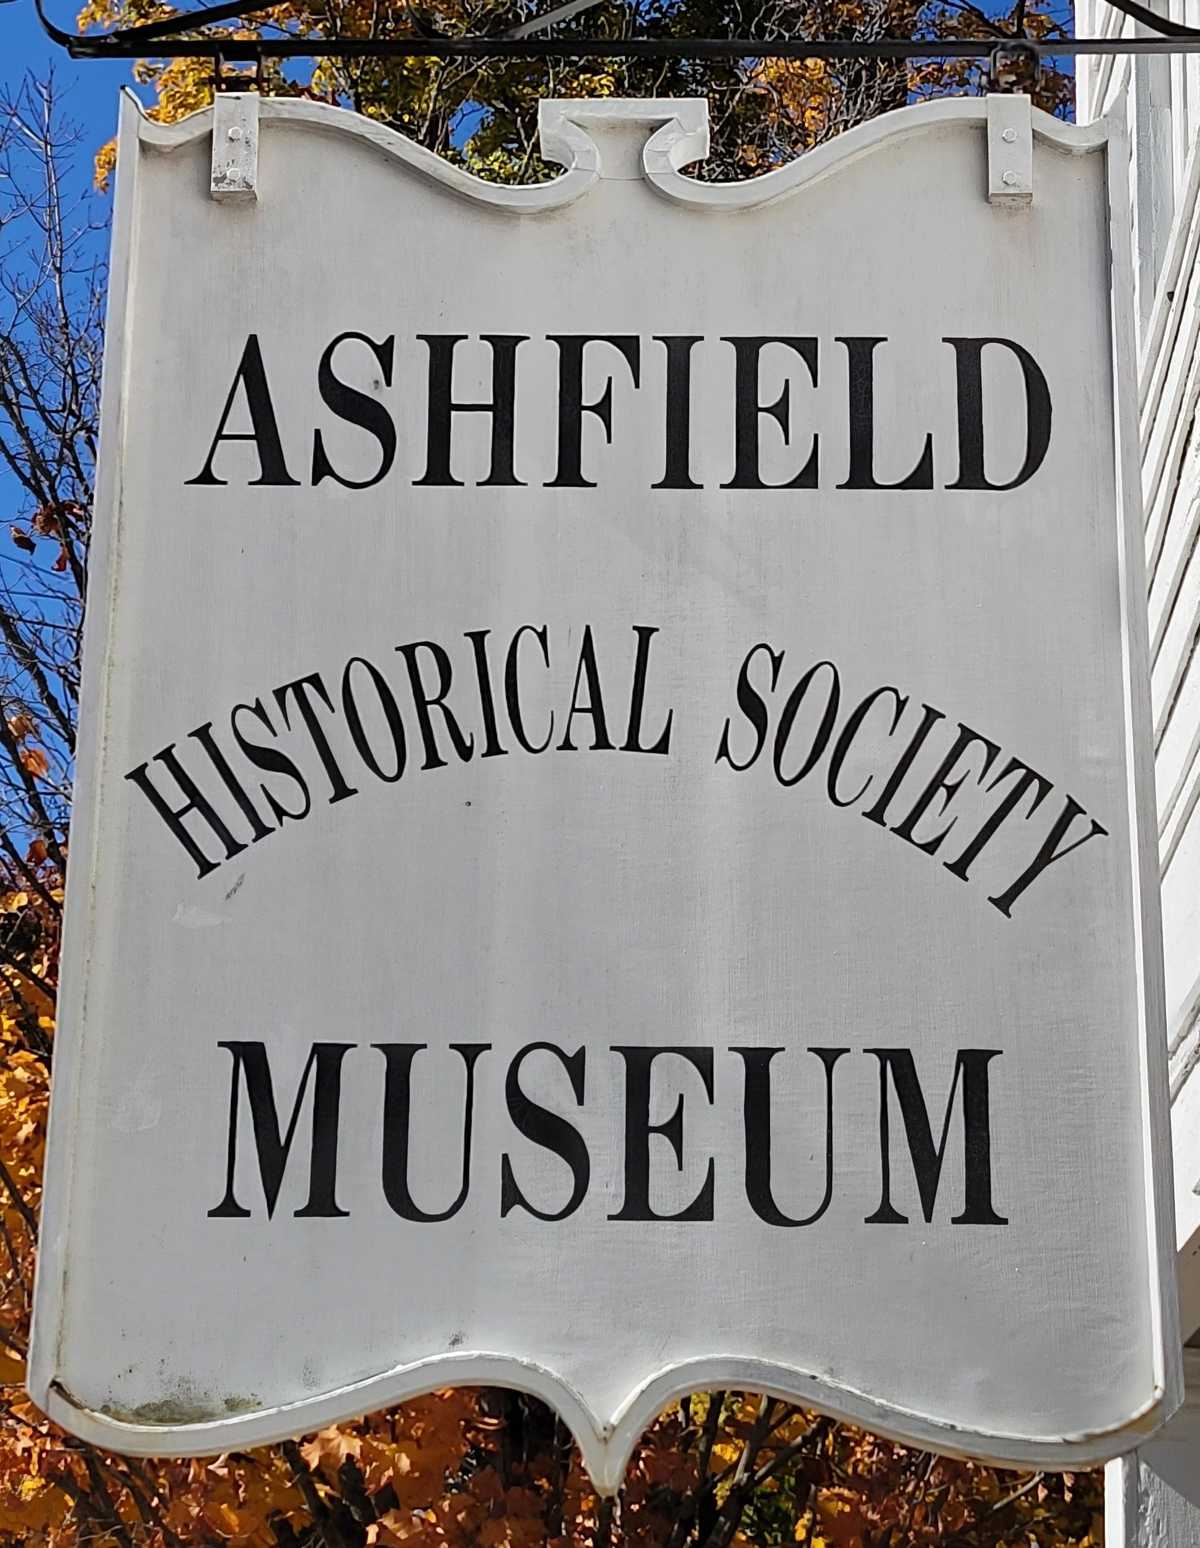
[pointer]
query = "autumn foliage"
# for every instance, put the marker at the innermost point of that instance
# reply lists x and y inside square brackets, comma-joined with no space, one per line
[483,114]
[464,1468]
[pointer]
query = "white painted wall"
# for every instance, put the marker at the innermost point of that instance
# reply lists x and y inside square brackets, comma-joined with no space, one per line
[1160,96]
[1152,1499]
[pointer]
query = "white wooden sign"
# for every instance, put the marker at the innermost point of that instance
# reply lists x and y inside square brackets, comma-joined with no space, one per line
[614,848]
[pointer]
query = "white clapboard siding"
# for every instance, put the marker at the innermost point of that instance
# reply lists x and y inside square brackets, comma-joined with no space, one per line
[1152,1498]
[1160,96]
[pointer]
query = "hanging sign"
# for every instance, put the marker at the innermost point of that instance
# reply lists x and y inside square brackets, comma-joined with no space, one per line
[614,847]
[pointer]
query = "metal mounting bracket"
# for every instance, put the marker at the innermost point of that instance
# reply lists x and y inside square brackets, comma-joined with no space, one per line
[235,147]
[1012,61]
[1009,149]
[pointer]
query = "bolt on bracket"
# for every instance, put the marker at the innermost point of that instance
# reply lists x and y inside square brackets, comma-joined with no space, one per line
[235,147]
[1010,149]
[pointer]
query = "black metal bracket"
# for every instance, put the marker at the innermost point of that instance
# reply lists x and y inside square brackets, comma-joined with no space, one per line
[1013,62]
[1014,67]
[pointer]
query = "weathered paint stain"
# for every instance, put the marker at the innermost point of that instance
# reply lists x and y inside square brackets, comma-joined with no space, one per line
[183,1407]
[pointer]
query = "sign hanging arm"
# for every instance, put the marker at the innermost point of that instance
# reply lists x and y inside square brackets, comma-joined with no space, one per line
[526,41]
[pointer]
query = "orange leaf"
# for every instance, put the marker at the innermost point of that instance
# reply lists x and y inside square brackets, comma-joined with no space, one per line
[34,761]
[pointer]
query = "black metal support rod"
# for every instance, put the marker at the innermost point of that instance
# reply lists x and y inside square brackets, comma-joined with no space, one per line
[247,50]
[176,24]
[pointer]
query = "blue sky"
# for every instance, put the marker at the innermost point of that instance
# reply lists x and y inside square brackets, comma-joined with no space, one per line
[88,96]
[90,89]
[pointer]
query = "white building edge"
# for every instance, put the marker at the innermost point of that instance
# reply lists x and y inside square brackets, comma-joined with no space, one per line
[1153,1497]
